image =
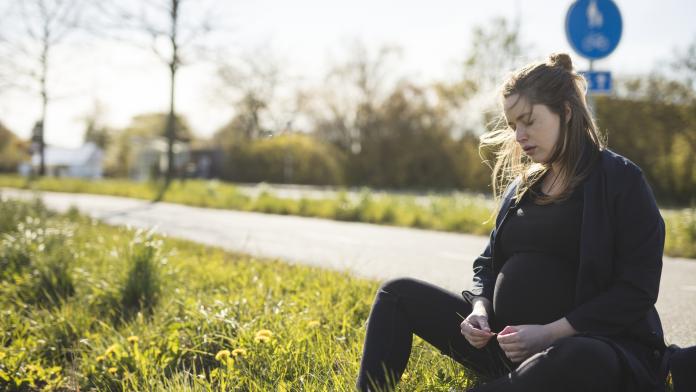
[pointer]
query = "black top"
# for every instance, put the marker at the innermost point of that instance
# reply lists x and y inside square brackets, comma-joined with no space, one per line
[540,246]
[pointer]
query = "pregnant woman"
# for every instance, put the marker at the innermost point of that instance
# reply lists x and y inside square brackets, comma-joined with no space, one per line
[563,295]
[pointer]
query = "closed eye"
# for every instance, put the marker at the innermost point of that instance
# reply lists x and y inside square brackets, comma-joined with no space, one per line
[513,126]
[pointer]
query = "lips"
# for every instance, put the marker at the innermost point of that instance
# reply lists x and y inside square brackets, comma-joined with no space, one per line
[528,148]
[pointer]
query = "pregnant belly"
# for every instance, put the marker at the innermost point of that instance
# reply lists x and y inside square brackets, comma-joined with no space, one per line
[533,288]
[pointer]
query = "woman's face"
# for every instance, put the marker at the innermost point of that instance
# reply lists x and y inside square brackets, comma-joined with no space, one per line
[536,127]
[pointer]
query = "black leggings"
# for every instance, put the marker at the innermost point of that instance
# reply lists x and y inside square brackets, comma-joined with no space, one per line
[406,306]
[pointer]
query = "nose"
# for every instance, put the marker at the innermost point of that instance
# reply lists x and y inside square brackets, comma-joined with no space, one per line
[520,134]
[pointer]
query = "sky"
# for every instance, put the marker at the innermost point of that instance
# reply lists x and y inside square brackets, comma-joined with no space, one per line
[306,35]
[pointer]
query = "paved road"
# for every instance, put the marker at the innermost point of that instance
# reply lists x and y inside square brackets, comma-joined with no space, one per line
[372,251]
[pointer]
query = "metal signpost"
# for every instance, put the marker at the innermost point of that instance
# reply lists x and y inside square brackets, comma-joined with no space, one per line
[593,29]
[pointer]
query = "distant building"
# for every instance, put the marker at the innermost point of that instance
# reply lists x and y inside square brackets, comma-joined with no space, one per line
[206,163]
[81,162]
[150,157]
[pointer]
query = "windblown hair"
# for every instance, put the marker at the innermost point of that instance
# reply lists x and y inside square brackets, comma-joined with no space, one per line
[553,83]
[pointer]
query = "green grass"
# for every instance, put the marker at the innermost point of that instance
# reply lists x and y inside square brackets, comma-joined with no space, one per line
[87,306]
[459,212]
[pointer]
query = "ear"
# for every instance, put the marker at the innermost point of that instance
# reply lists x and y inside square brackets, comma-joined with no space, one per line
[568,112]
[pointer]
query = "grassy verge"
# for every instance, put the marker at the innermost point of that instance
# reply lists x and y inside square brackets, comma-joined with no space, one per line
[92,307]
[460,212]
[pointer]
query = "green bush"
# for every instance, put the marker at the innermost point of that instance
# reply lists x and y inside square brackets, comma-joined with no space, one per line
[292,158]
[141,288]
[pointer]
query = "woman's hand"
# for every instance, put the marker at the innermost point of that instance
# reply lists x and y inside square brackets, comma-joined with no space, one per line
[520,342]
[476,330]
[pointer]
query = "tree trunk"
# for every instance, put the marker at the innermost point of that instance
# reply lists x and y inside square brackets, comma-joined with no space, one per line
[171,127]
[171,118]
[44,99]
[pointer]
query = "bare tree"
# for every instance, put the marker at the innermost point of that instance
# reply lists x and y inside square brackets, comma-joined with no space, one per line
[267,99]
[173,37]
[351,93]
[28,52]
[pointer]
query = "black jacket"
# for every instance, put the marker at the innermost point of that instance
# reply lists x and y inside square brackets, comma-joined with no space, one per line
[621,244]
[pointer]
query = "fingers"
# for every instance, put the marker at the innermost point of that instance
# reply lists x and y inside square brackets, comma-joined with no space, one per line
[478,342]
[508,330]
[476,337]
[511,344]
[469,329]
[483,323]
[514,351]
[512,347]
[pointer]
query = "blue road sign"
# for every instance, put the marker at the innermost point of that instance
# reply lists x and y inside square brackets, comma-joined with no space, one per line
[598,82]
[593,27]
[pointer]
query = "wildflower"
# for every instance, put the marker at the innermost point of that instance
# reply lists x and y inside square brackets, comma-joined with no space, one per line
[239,352]
[262,339]
[101,358]
[263,336]
[405,376]
[222,355]
[113,349]
[314,324]
[112,370]
[132,339]
[2,354]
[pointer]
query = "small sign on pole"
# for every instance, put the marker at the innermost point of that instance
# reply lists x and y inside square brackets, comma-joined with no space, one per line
[598,82]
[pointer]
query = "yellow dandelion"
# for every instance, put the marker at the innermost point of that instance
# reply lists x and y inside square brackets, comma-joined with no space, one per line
[239,352]
[222,355]
[101,358]
[405,376]
[314,324]
[2,354]
[132,339]
[262,339]
[263,336]
[112,370]
[113,349]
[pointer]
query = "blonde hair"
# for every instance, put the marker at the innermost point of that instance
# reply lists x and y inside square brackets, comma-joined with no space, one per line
[554,84]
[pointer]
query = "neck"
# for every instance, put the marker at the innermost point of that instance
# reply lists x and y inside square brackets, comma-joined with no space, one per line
[552,180]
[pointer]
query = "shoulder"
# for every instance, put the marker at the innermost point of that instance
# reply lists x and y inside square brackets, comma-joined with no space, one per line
[618,168]
[626,184]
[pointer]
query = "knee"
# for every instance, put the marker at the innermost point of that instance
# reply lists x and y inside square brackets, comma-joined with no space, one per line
[584,351]
[397,286]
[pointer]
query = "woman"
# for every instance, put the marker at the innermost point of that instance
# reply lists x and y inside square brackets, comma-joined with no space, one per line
[563,295]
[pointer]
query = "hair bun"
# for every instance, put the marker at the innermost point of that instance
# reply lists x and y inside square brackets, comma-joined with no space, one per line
[561,60]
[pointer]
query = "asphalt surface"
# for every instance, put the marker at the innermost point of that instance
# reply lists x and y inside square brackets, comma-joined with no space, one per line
[372,251]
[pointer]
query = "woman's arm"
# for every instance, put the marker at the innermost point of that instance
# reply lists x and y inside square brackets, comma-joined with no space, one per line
[639,237]
[483,281]
[558,329]
[484,278]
